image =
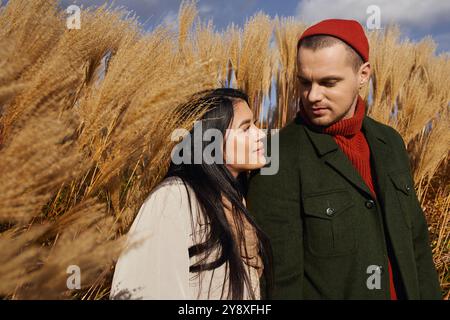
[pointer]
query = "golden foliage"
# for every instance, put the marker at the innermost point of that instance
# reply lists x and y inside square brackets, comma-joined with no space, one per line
[86,118]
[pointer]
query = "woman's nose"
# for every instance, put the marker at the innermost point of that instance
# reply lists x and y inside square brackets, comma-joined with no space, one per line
[260,134]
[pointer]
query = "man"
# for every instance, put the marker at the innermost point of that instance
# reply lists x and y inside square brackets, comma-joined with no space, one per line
[341,212]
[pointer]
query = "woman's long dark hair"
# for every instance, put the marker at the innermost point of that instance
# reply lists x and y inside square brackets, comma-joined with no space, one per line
[212,181]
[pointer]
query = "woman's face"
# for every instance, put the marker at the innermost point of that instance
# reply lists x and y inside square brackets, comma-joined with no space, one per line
[244,149]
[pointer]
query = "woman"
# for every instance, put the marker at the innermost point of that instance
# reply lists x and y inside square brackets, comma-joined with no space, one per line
[193,237]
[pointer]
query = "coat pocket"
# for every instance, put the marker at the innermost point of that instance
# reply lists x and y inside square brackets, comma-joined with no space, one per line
[329,223]
[405,193]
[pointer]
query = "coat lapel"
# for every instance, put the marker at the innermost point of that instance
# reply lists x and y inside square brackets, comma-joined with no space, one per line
[330,152]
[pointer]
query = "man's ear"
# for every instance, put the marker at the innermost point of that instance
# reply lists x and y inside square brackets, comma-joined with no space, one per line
[364,74]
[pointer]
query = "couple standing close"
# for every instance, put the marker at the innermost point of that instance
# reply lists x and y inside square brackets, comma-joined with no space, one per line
[339,220]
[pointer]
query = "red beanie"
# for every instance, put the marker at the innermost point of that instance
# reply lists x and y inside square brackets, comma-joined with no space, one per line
[349,31]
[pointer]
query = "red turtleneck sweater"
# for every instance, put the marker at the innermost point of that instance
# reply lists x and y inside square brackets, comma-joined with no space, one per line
[350,138]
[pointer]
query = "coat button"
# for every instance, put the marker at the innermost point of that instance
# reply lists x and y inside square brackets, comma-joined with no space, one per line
[370,204]
[330,212]
[407,187]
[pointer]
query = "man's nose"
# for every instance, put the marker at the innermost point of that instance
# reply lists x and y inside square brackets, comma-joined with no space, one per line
[315,94]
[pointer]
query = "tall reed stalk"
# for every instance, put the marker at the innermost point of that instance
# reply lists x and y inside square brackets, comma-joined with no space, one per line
[86,118]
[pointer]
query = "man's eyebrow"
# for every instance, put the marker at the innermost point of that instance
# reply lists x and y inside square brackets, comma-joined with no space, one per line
[327,78]
[331,78]
[302,78]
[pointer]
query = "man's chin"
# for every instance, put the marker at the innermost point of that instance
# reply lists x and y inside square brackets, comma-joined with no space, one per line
[321,121]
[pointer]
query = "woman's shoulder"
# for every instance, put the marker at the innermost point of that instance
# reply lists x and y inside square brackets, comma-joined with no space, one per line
[170,183]
[168,203]
[172,202]
[172,197]
[171,189]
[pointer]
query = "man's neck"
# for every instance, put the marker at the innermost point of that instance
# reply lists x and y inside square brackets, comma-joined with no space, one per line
[351,111]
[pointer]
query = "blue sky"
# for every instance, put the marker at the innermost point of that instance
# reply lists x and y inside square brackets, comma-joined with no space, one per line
[416,18]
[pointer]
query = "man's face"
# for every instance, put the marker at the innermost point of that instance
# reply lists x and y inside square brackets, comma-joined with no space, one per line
[328,84]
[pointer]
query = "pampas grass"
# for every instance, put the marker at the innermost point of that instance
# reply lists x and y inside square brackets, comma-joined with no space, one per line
[86,118]
[287,31]
[254,61]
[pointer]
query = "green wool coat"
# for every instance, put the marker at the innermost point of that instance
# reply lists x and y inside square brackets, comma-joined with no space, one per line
[327,232]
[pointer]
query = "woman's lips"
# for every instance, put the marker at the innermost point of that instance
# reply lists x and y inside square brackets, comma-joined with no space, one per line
[260,151]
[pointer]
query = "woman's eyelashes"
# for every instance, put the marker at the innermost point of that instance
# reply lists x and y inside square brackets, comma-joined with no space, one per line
[247,127]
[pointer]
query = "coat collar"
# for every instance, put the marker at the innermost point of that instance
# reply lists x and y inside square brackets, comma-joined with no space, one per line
[328,150]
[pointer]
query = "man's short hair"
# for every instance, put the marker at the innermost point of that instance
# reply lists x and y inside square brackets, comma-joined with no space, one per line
[324,41]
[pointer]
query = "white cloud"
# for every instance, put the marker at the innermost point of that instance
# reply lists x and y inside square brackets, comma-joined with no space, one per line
[420,14]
